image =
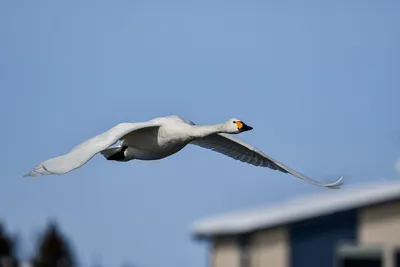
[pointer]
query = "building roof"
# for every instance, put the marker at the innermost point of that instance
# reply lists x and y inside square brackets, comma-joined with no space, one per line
[297,209]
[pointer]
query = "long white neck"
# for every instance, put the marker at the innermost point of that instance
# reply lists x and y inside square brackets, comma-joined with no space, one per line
[199,131]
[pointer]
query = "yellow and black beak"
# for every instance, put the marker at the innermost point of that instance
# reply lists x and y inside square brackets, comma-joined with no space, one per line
[243,127]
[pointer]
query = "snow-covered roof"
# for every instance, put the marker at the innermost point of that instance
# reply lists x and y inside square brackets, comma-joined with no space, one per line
[297,209]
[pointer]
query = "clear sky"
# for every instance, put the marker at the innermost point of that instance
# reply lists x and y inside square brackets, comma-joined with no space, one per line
[318,81]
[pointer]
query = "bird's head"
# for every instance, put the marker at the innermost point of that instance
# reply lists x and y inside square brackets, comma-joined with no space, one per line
[235,126]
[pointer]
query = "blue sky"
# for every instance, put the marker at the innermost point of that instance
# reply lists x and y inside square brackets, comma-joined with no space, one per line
[318,81]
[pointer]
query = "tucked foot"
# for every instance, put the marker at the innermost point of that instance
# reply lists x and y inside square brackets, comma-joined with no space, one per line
[115,153]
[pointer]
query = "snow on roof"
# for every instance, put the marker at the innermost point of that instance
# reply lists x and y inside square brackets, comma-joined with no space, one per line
[297,209]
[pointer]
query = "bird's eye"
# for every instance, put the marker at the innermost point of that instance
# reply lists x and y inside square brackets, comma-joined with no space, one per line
[234,121]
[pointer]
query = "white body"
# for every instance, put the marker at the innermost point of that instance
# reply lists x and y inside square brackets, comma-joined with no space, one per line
[155,143]
[162,137]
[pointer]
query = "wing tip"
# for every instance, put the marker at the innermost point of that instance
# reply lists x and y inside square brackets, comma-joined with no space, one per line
[33,174]
[37,171]
[336,184]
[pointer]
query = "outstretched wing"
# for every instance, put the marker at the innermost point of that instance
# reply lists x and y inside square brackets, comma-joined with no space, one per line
[83,152]
[239,150]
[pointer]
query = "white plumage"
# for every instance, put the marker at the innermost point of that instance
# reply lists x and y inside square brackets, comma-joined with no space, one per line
[161,137]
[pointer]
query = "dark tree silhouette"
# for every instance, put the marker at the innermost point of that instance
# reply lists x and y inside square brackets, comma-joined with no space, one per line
[53,249]
[7,249]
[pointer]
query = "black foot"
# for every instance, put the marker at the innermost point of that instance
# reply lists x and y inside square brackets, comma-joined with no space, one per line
[118,155]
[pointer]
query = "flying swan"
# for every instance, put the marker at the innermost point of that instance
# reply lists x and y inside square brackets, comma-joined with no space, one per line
[162,137]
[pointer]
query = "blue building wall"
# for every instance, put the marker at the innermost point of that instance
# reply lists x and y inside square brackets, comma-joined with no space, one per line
[313,242]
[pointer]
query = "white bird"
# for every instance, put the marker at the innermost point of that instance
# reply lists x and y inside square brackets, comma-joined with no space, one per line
[162,137]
